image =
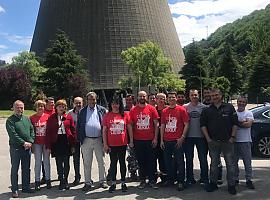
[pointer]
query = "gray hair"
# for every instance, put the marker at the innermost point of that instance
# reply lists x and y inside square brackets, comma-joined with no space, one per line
[91,94]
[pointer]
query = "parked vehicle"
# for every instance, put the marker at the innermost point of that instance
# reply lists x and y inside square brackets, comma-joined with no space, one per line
[260,131]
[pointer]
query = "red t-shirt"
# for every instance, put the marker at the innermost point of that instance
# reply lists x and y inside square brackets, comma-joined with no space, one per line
[40,123]
[143,122]
[174,119]
[49,112]
[116,128]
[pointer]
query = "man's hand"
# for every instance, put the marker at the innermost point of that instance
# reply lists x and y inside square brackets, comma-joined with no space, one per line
[162,145]
[131,145]
[232,139]
[154,142]
[179,142]
[27,145]
[106,149]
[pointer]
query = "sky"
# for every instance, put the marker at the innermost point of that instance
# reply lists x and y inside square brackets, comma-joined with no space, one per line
[193,19]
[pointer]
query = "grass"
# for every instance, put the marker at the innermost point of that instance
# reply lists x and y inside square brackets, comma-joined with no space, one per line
[7,113]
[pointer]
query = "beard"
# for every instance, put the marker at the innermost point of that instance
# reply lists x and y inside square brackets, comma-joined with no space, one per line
[142,101]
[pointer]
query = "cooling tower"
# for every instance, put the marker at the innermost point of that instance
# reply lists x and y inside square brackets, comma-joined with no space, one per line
[101,29]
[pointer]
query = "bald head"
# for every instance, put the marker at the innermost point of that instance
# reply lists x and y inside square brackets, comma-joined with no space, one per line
[142,97]
[78,103]
[18,107]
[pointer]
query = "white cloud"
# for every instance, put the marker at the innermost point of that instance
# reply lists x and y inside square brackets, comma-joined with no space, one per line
[22,40]
[3,46]
[198,18]
[2,9]
[8,56]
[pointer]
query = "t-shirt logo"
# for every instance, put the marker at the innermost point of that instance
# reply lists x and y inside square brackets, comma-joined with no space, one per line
[117,127]
[143,121]
[171,124]
[40,128]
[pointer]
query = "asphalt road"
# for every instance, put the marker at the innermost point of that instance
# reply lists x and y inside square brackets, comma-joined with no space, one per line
[261,169]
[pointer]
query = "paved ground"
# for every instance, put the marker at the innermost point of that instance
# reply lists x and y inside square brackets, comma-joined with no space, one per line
[261,178]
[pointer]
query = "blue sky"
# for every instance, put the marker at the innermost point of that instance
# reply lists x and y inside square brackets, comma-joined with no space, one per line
[193,19]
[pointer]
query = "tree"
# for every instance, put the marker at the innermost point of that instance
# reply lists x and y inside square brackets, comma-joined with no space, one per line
[194,69]
[63,63]
[14,84]
[28,62]
[259,79]
[223,84]
[149,66]
[229,68]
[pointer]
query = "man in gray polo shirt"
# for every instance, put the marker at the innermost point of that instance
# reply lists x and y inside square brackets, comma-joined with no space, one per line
[196,138]
[90,136]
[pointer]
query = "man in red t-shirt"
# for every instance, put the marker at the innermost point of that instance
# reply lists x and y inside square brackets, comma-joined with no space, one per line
[49,108]
[173,130]
[144,119]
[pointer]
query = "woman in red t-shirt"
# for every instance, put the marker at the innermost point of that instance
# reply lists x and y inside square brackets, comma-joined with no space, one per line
[39,121]
[115,124]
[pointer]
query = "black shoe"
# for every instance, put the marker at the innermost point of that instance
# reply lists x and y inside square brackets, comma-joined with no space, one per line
[15,194]
[250,185]
[123,187]
[142,185]
[28,191]
[49,184]
[202,182]
[232,190]
[76,182]
[153,185]
[180,187]
[37,185]
[190,182]
[211,187]
[112,188]
[219,182]
[61,186]
[66,186]
[87,187]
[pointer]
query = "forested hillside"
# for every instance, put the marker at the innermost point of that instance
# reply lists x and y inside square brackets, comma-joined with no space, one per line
[235,57]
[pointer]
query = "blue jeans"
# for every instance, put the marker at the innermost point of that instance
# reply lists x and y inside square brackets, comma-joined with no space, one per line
[215,149]
[174,156]
[202,149]
[40,152]
[146,159]
[18,155]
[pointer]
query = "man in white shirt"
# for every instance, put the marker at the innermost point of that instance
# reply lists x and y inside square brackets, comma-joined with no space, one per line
[243,141]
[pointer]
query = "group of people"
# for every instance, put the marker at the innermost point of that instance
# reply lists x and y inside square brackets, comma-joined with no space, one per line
[156,128]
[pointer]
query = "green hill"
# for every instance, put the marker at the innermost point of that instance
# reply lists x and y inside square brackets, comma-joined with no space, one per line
[240,47]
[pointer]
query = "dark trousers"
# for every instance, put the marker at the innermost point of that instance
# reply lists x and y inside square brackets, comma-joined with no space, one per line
[202,149]
[62,165]
[17,156]
[118,154]
[76,161]
[159,156]
[174,156]
[146,159]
